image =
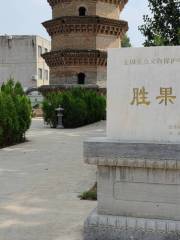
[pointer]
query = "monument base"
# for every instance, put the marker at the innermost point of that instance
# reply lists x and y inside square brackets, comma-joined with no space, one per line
[108,227]
[138,190]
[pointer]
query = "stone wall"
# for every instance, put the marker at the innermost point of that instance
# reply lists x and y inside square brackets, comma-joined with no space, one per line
[138,190]
[158,197]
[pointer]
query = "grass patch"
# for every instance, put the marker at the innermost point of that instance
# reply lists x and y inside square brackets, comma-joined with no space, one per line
[91,194]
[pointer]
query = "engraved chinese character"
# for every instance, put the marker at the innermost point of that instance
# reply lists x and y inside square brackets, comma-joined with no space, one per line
[140,97]
[166,96]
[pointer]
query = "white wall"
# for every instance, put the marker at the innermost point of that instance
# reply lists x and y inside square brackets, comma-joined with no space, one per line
[45,44]
[18,59]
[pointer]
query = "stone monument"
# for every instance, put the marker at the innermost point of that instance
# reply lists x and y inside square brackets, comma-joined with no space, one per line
[81,31]
[139,160]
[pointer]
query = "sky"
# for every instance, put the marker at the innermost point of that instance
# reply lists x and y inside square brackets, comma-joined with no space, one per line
[25,17]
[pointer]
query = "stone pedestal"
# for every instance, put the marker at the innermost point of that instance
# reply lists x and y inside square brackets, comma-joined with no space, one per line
[138,190]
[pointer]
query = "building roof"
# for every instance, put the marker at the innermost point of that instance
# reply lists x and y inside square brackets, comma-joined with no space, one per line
[8,36]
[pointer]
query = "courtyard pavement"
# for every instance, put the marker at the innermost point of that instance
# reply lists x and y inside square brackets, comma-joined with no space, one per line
[40,181]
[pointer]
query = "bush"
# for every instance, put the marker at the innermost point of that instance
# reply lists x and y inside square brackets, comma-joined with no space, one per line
[81,107]
[91,194]
[15,114]
[50,103]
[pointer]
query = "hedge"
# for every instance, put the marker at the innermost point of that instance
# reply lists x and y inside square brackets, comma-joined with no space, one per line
[81,107]
[15,114]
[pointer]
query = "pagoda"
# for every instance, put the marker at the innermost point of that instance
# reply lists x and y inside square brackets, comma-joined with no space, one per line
[81,32]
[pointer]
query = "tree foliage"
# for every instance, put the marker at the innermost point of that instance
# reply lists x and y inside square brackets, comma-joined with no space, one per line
[81,107]
[15,113]
[125,42]
[162,28]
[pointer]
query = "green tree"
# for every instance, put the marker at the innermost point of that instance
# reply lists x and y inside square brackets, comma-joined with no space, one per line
[15,113]
[81,107]
[125,41]
[162,28]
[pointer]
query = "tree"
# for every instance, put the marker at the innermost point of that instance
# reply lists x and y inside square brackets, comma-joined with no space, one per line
[125,41]
[162,28]
[15,113]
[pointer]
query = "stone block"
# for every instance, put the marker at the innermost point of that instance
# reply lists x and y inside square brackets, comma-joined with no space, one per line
[138,190]
[126,228]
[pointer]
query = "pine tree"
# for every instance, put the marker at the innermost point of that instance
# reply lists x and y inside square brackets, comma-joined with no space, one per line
[162,28]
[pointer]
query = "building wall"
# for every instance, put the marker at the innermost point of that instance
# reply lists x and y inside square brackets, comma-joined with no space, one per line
[71,8]
[74,41]
[101,76]
[68,74]
[103,42]
[41,64]
[18,59]
[98,8]
[85,41]
[107,10]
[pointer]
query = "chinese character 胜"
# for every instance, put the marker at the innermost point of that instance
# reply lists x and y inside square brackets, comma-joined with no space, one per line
[140,97]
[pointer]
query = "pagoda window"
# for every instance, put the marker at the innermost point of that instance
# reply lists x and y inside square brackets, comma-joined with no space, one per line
[81,78]
[82,11]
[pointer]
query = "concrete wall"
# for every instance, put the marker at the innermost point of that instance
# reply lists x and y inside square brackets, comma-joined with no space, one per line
[45,44]
[19,59]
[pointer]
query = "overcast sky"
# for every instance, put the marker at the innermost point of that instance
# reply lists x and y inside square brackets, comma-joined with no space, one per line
[25,17]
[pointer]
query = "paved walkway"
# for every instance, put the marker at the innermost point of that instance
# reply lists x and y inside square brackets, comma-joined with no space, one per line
[40,181]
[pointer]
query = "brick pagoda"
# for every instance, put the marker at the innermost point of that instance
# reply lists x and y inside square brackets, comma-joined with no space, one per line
[81,32]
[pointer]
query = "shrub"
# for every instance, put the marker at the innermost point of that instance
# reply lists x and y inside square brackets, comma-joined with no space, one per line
[81,107]
[15,114]
[50,103]
[91,194]
[75,111]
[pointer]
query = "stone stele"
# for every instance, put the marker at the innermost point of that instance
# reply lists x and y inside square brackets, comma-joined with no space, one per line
[139,160]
